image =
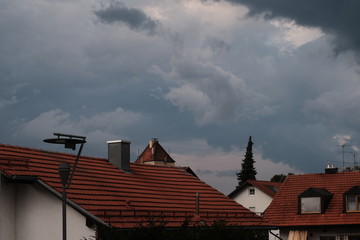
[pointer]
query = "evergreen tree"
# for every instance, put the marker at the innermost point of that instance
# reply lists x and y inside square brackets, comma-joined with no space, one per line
[248,172]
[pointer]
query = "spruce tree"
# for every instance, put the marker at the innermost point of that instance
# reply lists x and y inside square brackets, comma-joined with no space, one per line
[247,172]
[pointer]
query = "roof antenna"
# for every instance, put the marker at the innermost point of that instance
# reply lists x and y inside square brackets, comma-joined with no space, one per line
[343,154]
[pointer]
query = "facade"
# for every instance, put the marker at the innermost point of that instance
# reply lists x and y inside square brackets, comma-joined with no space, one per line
[255,195]
[104,193]
[323,206]
[29,211]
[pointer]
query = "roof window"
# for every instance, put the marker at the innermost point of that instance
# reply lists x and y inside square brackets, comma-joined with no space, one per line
[314,200]
[352,200]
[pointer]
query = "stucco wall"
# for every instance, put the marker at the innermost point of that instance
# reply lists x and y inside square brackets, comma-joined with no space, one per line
[37,214]
[260,200]
[7,210]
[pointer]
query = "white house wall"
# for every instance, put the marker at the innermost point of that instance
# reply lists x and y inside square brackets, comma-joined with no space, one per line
[7,210]
[260,200]
[38,215]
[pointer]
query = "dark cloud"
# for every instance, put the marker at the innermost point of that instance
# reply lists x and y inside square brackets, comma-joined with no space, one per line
[136,19]
[340,18]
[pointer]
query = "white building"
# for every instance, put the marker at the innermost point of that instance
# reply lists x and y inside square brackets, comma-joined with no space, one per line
[256,196]
[29,210]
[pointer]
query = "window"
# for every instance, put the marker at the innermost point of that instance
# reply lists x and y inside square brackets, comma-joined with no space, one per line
[352,200]
[251,191]
[310,205]
[352,203]
[314,200]
[252,209]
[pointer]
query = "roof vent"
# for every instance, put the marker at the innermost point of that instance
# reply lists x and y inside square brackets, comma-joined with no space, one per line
[330,169]
[119,154]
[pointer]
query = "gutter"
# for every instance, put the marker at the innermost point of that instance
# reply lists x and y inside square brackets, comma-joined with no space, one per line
[32,179]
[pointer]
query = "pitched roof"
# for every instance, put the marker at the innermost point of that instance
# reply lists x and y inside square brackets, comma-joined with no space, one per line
[154,152]
[283,210]
[270,188]
[124,200]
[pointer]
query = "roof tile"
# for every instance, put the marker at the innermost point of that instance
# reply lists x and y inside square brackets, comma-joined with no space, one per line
[123,199]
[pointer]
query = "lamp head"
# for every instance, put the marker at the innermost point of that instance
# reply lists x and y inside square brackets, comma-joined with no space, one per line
[68,140]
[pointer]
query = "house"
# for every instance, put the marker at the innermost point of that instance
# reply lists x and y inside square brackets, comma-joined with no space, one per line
[322,206]
[104,193]
[255,195]
[155,154]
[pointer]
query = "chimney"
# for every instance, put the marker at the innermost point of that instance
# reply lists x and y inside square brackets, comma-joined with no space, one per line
[330,169]
[119,154]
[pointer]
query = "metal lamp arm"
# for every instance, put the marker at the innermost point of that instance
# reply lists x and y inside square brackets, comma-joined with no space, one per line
[75,166]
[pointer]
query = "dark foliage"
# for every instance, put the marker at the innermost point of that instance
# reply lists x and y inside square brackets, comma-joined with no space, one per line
[218,230]
[279,177]
[248,171]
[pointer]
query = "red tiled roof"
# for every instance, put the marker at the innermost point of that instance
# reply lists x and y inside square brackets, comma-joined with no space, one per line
[154,153]
[283,210]
[270,188]
[124,200]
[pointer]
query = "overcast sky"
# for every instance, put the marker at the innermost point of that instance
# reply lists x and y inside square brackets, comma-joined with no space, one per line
[201,76]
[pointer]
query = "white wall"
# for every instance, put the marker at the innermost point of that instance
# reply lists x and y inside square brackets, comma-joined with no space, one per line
[260,200]
[7,210]
[38,215]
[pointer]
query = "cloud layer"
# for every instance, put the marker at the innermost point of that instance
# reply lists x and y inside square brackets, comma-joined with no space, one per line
[205,75]
[338,18]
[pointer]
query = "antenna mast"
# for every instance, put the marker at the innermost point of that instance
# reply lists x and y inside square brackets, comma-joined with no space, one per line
[343,154]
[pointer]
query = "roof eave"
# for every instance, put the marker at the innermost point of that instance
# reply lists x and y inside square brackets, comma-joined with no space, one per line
[73,205]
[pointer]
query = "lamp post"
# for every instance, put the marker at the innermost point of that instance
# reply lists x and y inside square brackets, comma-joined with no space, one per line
[65,172]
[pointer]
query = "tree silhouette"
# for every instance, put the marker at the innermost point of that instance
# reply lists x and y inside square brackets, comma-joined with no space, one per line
[248,171]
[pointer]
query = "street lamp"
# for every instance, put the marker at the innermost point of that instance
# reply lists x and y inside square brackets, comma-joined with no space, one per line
[65,172]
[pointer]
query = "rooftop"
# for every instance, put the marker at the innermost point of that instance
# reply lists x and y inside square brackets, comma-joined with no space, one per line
[125,200]
[270,188]
[283,211]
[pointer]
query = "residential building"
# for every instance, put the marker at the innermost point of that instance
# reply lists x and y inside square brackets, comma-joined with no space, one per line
[155,154]
[322,206]
[256,196]
[104,193]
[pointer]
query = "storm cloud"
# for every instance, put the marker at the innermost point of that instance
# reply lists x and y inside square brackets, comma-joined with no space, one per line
[201,76]
[136,19]
[338,18]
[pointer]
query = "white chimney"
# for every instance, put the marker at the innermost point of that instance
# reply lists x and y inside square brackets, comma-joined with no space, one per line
[119,154]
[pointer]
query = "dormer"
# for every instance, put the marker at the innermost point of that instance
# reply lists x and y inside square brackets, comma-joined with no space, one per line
[352,200]
[314,201]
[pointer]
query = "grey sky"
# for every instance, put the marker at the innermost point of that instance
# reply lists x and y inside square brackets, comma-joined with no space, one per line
[202,76]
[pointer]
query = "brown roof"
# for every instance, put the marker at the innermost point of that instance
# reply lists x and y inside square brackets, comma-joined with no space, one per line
[154,152]
[283,210]
[124,200]
[270,188]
